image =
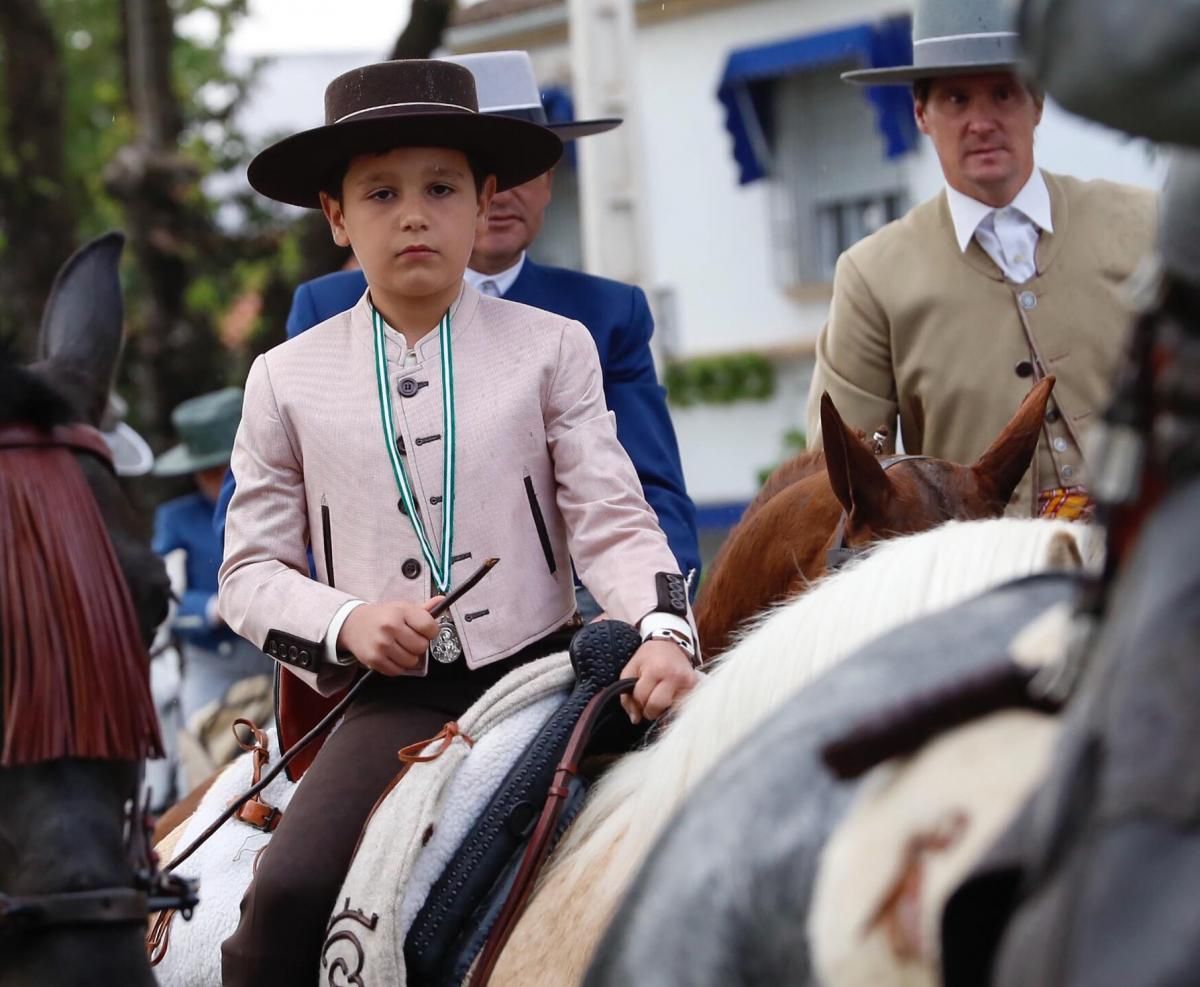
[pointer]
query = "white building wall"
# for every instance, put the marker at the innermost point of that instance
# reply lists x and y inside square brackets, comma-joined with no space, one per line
[724,447]
[710,237]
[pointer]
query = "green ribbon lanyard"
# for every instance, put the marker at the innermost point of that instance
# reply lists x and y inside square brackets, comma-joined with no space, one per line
[440,570]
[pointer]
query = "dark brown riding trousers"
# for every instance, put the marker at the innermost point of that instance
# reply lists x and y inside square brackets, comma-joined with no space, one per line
[289,902]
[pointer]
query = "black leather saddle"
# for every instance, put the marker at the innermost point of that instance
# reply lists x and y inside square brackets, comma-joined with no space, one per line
[453,924]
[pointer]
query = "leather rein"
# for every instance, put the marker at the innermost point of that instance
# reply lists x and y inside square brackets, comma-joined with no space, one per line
[151,889]
[839,553]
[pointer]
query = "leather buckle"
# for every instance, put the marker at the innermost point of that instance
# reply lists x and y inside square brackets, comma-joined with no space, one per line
[261,816]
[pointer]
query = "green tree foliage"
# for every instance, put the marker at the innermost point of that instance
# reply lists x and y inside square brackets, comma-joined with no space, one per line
[122,114]
[719,380]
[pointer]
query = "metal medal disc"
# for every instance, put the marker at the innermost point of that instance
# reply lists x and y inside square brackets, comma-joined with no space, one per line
[446,648]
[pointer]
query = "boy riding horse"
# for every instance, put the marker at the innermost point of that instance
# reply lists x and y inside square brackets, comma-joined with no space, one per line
[407,439]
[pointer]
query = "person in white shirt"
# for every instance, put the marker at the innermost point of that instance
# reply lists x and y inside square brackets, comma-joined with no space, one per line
[944,319]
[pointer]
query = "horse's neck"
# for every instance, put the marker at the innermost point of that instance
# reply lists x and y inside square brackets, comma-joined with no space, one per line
[799,467]
[776,553]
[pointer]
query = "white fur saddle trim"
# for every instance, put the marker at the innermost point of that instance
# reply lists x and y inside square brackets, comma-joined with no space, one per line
[224,866]
[397,862]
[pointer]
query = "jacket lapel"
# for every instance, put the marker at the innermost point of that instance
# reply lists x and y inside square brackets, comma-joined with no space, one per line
[528,284]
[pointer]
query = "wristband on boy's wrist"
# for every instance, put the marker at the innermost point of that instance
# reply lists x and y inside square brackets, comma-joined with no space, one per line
[682,641]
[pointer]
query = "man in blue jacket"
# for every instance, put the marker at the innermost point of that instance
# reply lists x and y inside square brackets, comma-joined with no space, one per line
[616,314]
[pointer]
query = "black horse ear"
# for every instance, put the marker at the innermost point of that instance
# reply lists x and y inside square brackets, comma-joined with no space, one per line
[83,322]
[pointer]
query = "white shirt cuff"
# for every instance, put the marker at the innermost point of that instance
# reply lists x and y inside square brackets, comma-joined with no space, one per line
[655,621]
[335,628]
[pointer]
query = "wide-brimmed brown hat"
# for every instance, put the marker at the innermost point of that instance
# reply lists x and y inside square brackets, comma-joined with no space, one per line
[407,103]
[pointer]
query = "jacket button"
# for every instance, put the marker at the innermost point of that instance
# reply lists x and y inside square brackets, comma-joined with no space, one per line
[1060,444]
[1024,369]
[408,387]
[411,569]
[304,659]
[1028,300]
[1052,415]
[401,507]
[400,445]
[292,652]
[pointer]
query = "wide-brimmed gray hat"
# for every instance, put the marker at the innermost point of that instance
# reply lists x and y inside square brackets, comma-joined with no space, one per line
[207,425]
[952,37]
[507,87]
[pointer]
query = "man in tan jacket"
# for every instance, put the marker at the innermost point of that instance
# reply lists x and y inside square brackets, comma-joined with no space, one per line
[948,316]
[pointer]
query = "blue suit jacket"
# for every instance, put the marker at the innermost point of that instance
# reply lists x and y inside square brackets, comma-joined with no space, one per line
[186,523]
[619,320]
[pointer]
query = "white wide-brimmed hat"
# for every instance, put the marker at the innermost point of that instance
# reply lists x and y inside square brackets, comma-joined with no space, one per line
[131,453]
[507,87]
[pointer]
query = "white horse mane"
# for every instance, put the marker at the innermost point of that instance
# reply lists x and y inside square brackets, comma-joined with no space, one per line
[896,582]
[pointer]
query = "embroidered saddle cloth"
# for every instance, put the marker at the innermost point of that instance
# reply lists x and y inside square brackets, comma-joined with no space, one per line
[437,846]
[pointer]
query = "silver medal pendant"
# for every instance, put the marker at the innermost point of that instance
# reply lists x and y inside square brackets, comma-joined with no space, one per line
[446,648]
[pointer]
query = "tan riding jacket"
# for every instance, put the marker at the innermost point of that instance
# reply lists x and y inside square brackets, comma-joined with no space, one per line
[921,329]
[534,440]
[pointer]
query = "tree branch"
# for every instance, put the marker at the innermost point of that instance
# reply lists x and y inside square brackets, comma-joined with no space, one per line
[37,221]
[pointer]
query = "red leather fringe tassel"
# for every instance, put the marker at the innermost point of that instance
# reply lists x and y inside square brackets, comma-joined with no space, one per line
[76,679]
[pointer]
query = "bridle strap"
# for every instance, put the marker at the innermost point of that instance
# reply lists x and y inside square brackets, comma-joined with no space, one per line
[839,553]
[107,906]
[77,437]
[150,890]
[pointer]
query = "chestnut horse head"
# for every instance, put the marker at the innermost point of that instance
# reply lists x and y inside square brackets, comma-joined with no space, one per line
[845,497]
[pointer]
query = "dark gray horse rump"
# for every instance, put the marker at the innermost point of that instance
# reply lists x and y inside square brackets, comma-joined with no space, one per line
[468,889]
[723,901]
[1095,882]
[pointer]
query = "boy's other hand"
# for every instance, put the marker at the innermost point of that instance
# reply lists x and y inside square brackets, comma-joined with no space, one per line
[664,676]
[390,638]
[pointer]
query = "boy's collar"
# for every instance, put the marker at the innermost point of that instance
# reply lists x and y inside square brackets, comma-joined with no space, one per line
[462,313]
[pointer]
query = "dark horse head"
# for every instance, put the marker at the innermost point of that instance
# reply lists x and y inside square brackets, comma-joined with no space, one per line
[80,596]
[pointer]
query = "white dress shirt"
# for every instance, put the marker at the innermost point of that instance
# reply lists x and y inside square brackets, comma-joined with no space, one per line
[496,285]
[1010,234]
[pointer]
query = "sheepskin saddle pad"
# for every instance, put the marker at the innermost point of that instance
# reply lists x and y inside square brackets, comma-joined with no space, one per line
[433,859]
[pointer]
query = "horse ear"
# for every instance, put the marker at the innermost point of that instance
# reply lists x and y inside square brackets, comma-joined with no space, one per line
[1007,459]
[858,481]
[83,321]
